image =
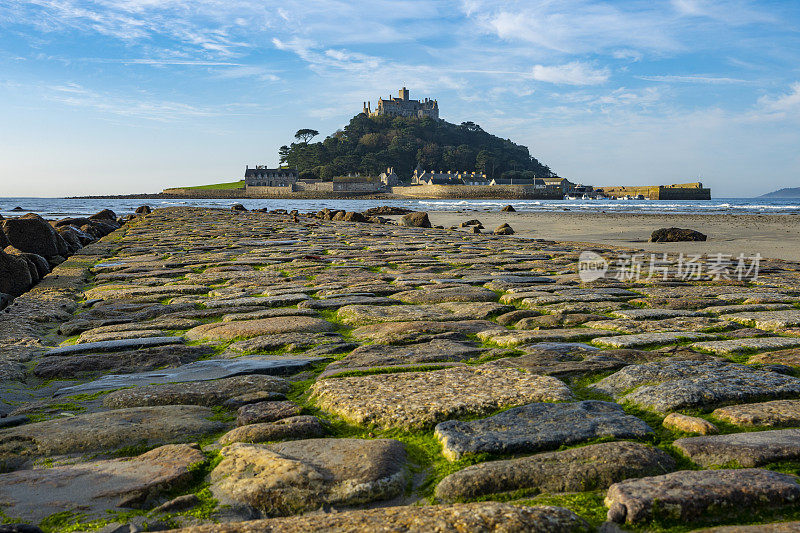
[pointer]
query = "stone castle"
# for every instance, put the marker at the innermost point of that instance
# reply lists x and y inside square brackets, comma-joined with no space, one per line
[402,106]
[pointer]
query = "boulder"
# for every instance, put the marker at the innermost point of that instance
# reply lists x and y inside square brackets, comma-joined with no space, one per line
[292,477]
[15,275]
[504,229]
[31,233]
[676,235]
[291,428]
[270,411]
[40,264]
[471,222]
[509,209]
[386,210]
[143,210]
[351,216]
[105,215]
[238,207]
[417,219]
[72,236]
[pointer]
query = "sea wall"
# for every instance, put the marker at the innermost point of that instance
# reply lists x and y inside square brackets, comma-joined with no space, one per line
[680,191]
[476,191]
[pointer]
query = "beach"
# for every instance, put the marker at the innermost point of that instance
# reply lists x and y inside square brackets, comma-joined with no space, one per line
[772,236]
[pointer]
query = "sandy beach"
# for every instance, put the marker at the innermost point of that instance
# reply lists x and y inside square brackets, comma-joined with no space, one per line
[773,236]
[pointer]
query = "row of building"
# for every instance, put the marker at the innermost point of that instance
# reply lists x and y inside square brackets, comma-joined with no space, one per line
[261,176]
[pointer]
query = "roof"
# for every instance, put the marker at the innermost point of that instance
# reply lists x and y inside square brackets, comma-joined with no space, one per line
[252,172]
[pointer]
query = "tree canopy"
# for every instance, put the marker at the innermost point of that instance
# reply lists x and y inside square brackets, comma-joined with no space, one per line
[371,144]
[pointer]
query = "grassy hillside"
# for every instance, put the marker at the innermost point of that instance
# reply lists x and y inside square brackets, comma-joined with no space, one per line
[218,186]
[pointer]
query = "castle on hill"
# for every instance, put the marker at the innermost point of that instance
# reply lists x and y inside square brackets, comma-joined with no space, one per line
[402,106]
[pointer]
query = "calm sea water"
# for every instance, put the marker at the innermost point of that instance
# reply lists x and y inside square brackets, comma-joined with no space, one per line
[63,207]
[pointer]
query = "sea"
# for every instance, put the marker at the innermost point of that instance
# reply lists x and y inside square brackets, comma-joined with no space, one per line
[54,208]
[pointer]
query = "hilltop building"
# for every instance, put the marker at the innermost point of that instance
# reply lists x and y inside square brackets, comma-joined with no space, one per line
[261,176]
[402,106]
[430,177]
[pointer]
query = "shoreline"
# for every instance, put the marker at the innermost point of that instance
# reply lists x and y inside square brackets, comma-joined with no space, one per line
[773,236]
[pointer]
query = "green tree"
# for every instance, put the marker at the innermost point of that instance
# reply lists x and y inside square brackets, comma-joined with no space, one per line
[305,135]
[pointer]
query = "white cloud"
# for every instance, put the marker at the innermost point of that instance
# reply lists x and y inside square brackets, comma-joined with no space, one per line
[782,106]
[574,73]
[693,79]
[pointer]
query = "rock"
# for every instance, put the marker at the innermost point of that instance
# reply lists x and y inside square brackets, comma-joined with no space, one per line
[689,424]
[238,401]
[550,363]
[351,216]
[94,487]
[504,229]
[769,414]
[592,467]
[40,264]
[538,426]
[476,229]
[269,411]
[358,315]
[293,427]
[74,238]
[670,385]
[769,320]
[180,503]
[512,338]
[169,356]
[19,528]
[106,215]
[777,527]
[483,517]
[421,399]
[690,494]
[104,432]
[676,235]
[733,346]
[744,449]
[297,476]
[245,329]
[287,341]
[471,222]
[649,339]
[15,275]
[238,207]
[421,331]
[32,234]
[113,346]
[513,317]
[416,220]
[12,421]
[386,210]
[377,355]
[143,210]
[508,209]
[209,393]
[463,293]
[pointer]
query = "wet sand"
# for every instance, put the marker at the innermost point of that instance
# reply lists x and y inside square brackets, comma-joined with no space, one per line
[773,236]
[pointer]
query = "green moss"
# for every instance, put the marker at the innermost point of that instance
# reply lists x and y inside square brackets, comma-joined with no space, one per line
[587,505]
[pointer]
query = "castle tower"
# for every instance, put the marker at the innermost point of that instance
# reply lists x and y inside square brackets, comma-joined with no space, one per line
[404,94]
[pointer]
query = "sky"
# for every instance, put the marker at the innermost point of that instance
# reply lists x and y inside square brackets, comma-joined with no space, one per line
[133,96]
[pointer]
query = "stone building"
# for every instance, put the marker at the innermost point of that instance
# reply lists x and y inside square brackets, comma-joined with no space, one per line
[389,178]
[430,177]
[261,176]
[402,106]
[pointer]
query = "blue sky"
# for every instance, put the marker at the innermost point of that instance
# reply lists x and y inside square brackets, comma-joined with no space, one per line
[125,96]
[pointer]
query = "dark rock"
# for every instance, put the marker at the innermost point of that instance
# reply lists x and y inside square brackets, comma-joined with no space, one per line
[676,235]
[11,421]
[538,426]
[105,215]
[471,222]
[19,528]
[113,346]
[354,217]
[72,236]
[15,275]
[5,299]
[238,207]
[252,397]
[690,494]
[197,372]
[31,233]
[18,208]
[72,221]
[476,229]
[592,467]
[509,209]
[143,210]
[386,211]
[156,357]
[416,219]
[745,449]
[504,229]
[41,267]
[270,411]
